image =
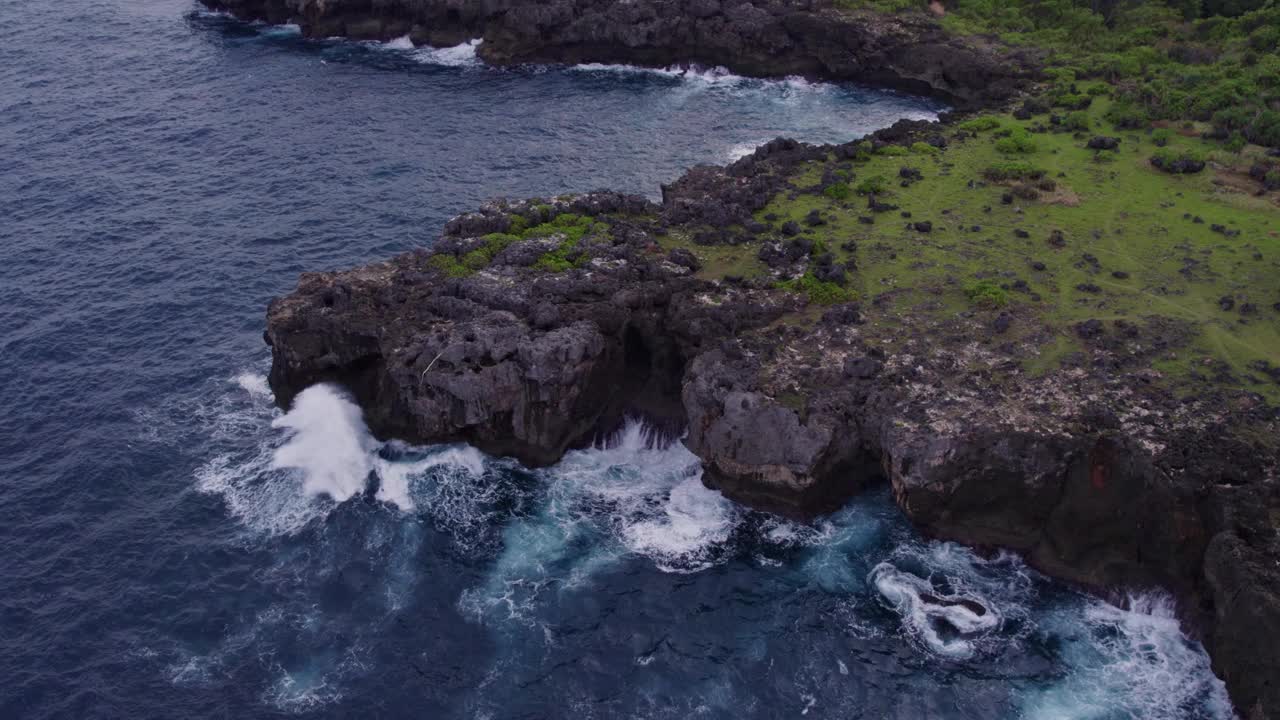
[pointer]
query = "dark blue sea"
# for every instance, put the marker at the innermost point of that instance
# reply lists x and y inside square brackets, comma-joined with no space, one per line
[173,546]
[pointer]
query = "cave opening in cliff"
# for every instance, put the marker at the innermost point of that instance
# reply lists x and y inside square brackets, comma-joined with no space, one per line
[653,372]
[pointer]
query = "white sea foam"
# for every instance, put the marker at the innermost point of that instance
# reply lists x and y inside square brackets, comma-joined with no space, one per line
[632,495]
[945,623]
[328,443]
[693,519]
[705,77]
[647,494]
[396,487]
[463,55]
[289,470]
[254,384]
[741,150]
[1134,662]
[401,43]
[953,602]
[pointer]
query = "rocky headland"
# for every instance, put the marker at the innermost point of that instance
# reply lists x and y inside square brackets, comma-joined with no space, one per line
[765,38]
[819,318]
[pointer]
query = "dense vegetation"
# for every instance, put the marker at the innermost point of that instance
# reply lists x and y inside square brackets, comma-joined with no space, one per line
[1207,61]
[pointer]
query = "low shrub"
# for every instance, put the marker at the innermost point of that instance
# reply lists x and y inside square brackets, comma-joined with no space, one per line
[873,185]
[1175,162]
[817,291]
[981,123]
[838,191]
[564,257]
[924,148]
[987,295]
[1012,170]
[1019,141]
[1077,121]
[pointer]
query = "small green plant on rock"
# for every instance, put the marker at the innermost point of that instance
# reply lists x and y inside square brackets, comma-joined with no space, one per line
[565,257]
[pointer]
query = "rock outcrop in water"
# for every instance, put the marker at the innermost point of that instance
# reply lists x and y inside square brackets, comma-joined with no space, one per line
[762,38]
[531,328]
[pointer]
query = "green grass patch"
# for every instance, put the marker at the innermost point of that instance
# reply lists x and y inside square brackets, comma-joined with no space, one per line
[1125,214]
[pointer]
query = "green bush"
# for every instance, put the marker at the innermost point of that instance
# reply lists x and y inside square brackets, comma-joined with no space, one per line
[449,265]
[1012,170]
[1177,161]
[1018,142]
[873,185]
[1161,136]
[817,291]
[1127,116]
[978,124]
[838,191]
[565,256]
[924,148]
[1235,143]
[987,295]
[571,225]
[1077,121]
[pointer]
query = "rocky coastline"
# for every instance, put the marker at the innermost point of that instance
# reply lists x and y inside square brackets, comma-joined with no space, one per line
[761,38]
[530,328]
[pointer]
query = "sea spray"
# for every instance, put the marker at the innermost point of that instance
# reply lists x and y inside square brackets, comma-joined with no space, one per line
[328,443]
[303,464]
[635,495]
[1131,662]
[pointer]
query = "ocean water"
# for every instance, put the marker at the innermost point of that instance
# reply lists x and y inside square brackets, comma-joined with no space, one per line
[172,545]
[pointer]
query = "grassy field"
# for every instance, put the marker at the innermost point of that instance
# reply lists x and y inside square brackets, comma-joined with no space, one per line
[1182,269]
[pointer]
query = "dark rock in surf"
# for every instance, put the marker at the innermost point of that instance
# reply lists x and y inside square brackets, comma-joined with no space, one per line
[759,37]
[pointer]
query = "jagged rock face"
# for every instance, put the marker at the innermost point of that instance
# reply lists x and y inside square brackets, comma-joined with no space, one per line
[791,414]
[759,37]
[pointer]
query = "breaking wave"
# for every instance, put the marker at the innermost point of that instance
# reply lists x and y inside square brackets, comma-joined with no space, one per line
[1127,662]
[633,495]
[639,497]
[328,444]
[320,454]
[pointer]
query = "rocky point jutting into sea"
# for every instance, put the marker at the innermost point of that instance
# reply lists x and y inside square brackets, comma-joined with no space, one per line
[529,343]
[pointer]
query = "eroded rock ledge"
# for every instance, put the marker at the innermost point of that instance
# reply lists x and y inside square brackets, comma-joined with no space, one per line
[762,38]
[530,328]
